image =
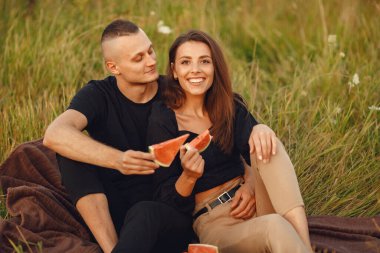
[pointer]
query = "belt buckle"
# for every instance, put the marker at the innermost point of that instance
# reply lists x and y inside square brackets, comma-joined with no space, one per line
[221,197]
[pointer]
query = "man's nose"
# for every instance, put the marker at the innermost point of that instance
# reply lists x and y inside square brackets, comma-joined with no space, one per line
[151,60]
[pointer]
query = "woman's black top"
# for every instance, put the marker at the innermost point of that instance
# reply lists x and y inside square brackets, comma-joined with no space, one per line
[219,166]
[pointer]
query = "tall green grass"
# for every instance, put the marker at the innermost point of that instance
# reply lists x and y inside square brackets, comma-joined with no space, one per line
[281,60]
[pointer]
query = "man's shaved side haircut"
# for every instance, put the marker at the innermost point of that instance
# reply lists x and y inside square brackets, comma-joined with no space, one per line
[119,28]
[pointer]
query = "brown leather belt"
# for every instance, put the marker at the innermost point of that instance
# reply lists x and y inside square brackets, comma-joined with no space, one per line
[222,198]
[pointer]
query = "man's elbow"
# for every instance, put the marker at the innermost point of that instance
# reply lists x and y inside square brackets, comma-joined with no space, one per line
[49,139]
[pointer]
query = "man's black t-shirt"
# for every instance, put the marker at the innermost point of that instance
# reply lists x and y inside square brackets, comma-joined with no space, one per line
[116,121]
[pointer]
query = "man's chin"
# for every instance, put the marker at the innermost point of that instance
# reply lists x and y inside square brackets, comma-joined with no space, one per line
[153,78]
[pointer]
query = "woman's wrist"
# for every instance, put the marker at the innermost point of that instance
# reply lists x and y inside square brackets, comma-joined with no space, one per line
[188,178]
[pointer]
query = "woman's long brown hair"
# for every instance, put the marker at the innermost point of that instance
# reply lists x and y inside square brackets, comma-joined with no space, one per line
[219,99]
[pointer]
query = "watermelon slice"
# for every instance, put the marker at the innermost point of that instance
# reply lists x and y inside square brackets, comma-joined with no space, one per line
[201,142]
[202,248]
[166,151]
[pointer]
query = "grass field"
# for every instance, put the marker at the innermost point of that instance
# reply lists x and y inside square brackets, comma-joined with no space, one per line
[309,69]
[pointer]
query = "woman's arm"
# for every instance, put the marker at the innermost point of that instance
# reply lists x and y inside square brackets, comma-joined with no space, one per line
[243,205]
[162,126]
[193,166]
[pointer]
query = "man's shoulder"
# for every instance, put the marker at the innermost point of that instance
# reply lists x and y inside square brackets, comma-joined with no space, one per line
[94,87]
[159,107]
[103,83]
[161,112]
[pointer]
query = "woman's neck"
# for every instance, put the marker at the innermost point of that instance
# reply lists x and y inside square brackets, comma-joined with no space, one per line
[193,107]
[192,115]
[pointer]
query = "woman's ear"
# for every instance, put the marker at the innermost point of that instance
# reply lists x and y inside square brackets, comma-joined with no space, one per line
[173,70]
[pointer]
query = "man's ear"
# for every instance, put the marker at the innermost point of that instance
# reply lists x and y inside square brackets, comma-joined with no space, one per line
[173,70]
[112,67]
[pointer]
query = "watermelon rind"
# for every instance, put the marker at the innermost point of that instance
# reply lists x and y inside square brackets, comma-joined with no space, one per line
[200,248]
[206,133]
[170,151]
[151,150]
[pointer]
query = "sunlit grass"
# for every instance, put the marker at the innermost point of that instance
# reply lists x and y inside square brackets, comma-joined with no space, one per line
[293,78]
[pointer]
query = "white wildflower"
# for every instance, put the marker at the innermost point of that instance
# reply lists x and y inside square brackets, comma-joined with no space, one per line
[342,55]
[355,79]
[162,28]
[160,23]
[331,39]
[152,13]
[337,110]
[374,108]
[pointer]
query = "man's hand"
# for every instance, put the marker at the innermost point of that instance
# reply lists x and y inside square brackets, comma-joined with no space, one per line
[192,162]
[243,204]
[262,141]
[137,163]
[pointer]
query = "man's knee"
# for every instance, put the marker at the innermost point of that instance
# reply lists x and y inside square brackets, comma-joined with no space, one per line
[92,200]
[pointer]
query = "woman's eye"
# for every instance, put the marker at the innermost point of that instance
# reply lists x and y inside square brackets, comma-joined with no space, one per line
[205,61]
[185,62]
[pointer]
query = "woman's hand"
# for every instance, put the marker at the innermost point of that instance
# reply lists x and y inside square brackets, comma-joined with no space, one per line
[243,204]
[263,142]
[192,163]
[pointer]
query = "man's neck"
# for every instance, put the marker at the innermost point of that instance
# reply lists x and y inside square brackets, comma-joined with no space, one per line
[138,93]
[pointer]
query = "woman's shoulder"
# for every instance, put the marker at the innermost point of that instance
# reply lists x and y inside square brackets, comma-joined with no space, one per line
[240,104]
[242,112]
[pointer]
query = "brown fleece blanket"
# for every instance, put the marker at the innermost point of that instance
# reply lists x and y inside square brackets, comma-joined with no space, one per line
[40,212]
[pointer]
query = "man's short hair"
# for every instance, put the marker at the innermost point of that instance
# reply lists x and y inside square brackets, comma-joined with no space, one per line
[119,28]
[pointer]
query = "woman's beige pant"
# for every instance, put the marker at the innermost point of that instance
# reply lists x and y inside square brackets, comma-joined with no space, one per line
[277,192]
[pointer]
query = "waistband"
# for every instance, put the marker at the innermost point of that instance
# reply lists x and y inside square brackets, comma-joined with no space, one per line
[224,197]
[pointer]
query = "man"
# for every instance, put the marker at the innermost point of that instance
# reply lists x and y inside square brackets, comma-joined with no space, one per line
[107,174]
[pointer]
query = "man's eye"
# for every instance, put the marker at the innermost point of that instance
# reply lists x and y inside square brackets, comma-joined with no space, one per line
[138,58]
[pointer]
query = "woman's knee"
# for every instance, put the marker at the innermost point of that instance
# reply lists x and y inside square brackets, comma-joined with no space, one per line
[275,222]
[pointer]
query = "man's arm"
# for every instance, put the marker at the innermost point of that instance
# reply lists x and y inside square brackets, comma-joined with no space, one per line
[262,141]
[64,135]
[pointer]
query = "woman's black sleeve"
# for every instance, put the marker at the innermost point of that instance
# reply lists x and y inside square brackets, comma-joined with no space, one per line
[161,127]
[244,122]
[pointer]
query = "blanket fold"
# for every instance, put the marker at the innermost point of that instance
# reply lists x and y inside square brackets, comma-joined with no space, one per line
[40,212]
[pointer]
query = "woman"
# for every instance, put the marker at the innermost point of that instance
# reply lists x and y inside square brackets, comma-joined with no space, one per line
[198,96]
